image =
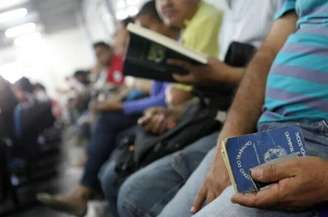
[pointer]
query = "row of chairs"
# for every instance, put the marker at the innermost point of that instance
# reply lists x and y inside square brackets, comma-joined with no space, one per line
[27,161]
[20,176]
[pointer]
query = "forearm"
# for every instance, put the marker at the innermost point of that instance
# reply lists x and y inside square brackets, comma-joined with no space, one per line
[246,108]
[139,106]
[111,106]
[229,75]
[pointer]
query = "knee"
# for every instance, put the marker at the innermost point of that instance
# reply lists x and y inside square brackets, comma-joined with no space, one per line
[126,206]
[107,177]
[129,203]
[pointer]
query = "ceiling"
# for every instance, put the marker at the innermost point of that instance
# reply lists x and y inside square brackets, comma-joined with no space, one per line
[50,15]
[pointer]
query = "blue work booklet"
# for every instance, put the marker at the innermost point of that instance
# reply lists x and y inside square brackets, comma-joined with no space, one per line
[243,153]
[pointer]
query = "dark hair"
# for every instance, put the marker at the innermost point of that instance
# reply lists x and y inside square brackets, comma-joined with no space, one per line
[101,44]
[25,85]
[39,86]
[149,9]
[83,73]
[82,76]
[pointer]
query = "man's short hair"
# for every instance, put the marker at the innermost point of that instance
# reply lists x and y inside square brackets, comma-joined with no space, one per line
[149,9]
[101,44]
[82,73]
[25,85]
[39,86]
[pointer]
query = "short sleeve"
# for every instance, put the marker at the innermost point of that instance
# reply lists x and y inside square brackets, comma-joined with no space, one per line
[202,31]
[287,6]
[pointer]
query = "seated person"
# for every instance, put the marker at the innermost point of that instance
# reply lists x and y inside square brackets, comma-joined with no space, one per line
[32,108]
[24,90]
[200,24]
[40,92]
[109,184]
[120,43]
[174,170]
[284,85]
[114,116]
[112,78]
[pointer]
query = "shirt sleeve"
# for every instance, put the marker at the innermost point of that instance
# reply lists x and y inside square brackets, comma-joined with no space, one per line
[138,106]
[287,6]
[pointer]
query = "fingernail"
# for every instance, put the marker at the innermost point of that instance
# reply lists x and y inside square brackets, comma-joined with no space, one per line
[193,210]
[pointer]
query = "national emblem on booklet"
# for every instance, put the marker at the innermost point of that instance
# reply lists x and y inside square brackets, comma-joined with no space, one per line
[243,153]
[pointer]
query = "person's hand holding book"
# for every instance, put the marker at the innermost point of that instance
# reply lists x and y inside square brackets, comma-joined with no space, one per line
[196,73]
[299,183]
[214,71]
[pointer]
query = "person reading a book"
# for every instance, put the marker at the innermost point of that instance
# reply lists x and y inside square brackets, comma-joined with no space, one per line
[173,171]
[191,16]
[200,24]
[113,117]
[284,85]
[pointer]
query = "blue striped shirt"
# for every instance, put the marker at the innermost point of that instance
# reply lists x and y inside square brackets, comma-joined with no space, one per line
[297,84]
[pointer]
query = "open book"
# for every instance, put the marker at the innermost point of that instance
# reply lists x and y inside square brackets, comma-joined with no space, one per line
[240,154]
[149,52]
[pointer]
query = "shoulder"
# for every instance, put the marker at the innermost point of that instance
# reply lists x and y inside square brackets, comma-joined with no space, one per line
[209,12]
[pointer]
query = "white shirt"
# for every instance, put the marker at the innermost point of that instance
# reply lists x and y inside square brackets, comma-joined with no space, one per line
[247,21]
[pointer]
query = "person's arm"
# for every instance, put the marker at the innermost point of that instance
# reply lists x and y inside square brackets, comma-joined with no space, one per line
[177,96]
[296,185]
[106,106]
[246,108]
[213,72]
[158,120]
[139,106]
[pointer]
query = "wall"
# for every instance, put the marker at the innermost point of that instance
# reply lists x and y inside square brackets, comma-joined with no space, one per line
[221,4]
[99,22]
[49,60]
[68,51]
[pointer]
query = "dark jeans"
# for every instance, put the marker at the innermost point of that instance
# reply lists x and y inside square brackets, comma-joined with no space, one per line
[103,141]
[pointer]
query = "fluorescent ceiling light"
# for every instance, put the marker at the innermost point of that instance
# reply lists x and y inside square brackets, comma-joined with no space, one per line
[13,15]
[5,4]
[20,30]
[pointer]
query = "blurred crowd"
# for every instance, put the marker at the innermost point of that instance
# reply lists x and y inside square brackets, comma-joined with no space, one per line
[154,147]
